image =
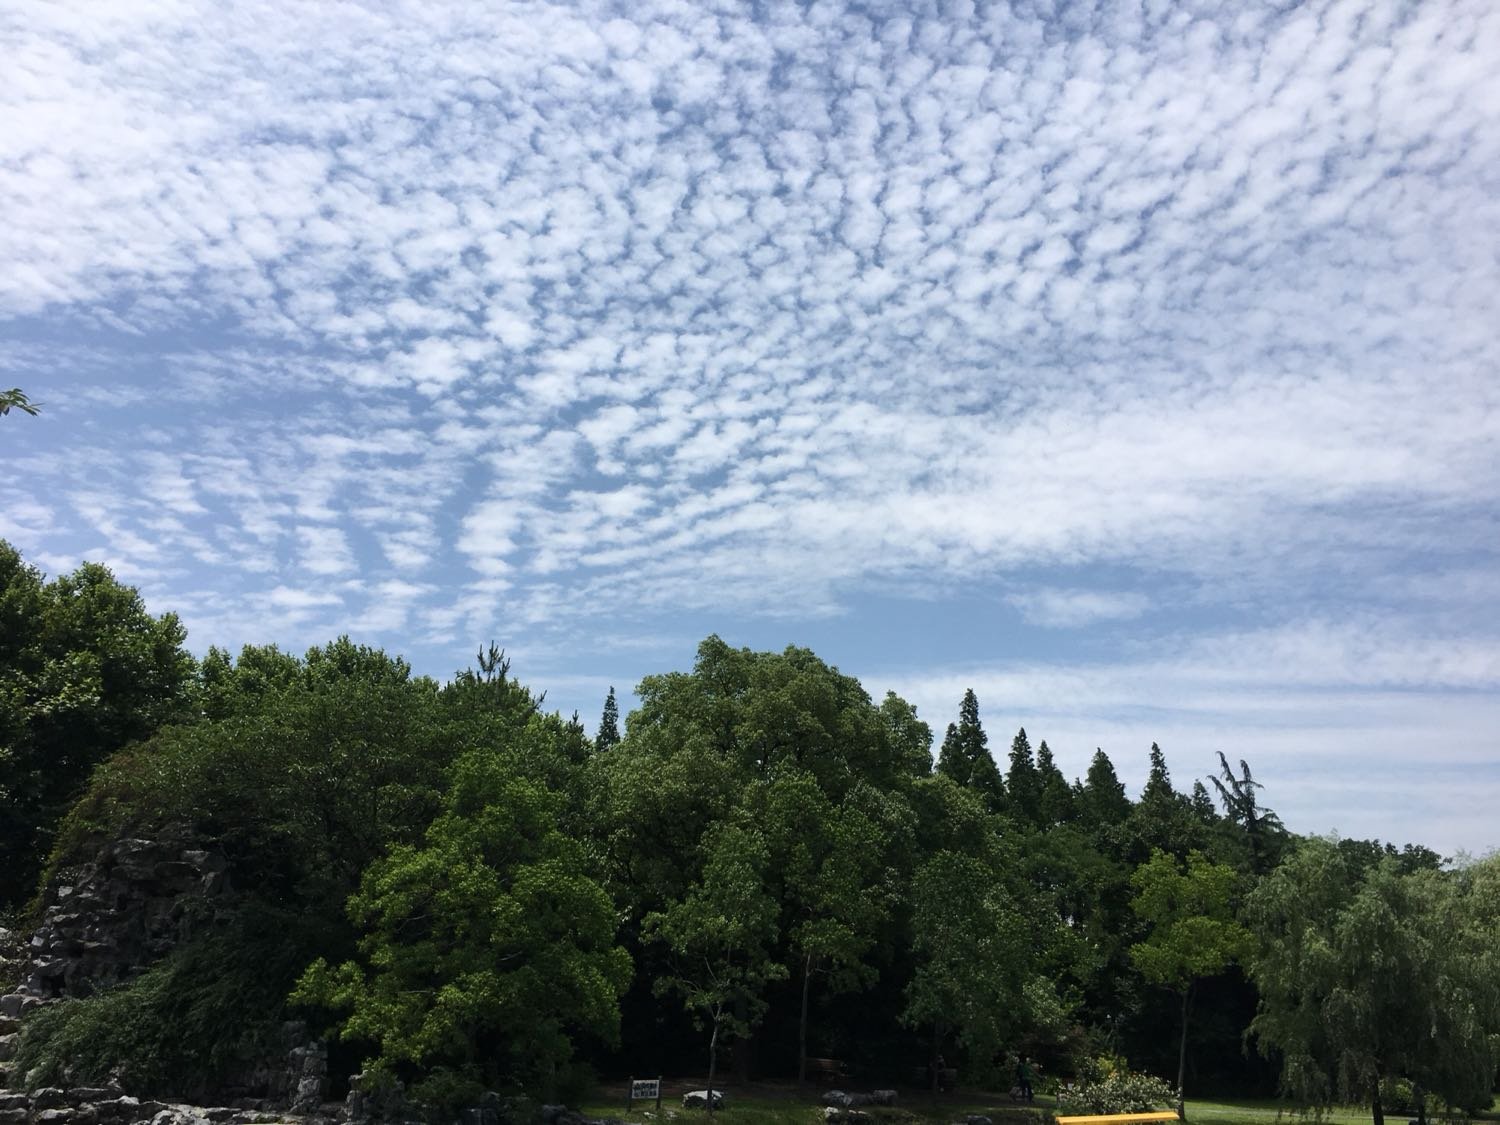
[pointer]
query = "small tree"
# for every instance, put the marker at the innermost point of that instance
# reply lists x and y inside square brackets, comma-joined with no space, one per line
[720,935]
[1193,930]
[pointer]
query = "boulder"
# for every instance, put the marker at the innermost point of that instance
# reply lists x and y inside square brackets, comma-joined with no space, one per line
[698,1099]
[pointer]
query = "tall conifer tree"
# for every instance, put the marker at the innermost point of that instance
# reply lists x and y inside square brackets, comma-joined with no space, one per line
[1023,782]
[609,723]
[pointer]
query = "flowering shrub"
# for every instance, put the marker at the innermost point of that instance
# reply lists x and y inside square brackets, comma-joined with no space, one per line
[1119,1092]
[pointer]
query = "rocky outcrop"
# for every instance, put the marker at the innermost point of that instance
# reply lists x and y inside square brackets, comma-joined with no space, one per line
[114,917]
[109,920]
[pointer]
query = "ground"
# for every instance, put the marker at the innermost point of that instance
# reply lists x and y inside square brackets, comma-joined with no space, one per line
[786,1103]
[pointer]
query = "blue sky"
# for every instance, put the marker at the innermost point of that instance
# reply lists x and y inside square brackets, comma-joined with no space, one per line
[1134,364]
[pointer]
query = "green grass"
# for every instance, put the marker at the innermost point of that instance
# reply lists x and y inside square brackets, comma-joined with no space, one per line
[766,1103]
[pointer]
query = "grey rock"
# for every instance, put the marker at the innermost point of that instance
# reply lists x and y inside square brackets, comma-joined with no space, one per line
[13,1116]
[977,1119]
[698,1099]
[48,1097]
[883,1097]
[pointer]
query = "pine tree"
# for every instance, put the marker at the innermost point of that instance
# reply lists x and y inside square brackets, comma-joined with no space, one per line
[984,774]
[1056,795]
[609,723]
[1203,804]
[951,760]
[1101,797]
[1023,782]
[1158,788]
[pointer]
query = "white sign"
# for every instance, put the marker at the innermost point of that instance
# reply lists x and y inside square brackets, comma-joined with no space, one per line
[644,1089]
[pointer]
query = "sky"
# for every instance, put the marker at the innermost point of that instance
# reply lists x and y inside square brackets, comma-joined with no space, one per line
[1133,364]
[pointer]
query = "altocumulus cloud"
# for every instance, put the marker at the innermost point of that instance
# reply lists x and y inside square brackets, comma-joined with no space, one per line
[1162,334]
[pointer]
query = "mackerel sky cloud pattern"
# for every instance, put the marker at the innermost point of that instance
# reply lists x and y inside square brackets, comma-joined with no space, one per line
[1134,364]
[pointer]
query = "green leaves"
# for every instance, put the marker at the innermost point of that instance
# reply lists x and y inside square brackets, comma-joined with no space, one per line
[1385,973]
[1194,932]
[487,946]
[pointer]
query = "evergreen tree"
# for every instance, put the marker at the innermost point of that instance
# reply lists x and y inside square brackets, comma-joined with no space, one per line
[609,723]
[1056,795]
[951,761]
[1101,801]
[1203,804]
[1158,788]
[1023,782]
[1264,836]
[974,744]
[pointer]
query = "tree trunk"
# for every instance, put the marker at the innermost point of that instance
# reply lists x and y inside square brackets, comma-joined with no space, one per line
[713,1059]
[802,1023]
[1419,1095]
[1376,1110]
[1182,1055]
[934,1063]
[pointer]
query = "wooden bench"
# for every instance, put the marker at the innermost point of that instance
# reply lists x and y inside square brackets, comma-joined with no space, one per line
[1117,1118]
[826,1068]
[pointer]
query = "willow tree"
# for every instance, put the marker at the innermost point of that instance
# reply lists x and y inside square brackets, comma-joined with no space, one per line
[1377,975]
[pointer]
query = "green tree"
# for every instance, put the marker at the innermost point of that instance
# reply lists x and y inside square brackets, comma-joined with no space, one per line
[84,671]
[1056,801]
[1194,933]
[970,940]
[1261,830]
[720,935]
[1022,781]
[487,949]
[910,738]
[836,878]
[608,734]
[1377,975]
[966,756]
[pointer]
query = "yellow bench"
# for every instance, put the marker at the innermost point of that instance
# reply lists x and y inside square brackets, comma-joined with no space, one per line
[1118,1118]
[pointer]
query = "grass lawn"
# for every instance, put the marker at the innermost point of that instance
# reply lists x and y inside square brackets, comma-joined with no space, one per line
[786,1103]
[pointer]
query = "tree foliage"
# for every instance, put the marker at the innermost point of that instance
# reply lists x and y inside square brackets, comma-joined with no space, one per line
[1365,976]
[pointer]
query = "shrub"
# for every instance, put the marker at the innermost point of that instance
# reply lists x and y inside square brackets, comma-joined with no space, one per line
[1118,1092]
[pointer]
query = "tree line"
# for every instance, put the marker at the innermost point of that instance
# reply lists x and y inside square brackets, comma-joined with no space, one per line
[759,866]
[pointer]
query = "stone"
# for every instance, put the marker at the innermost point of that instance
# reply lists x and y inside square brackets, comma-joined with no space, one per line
[883,1097]
[53,1116]
[698,1099]
[977,1119]
[837,1099]
[550,1113]
[14,1101]
[13,1116]
[8,1047]
[91,1094]
[48,1097]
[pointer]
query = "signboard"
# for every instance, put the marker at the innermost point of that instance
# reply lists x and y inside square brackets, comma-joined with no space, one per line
[645,1090]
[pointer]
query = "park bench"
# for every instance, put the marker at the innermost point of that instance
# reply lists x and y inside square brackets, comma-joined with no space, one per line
[826,1068]
[1117,1118]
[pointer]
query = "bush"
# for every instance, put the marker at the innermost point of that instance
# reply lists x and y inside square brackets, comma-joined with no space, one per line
[1118,1092]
